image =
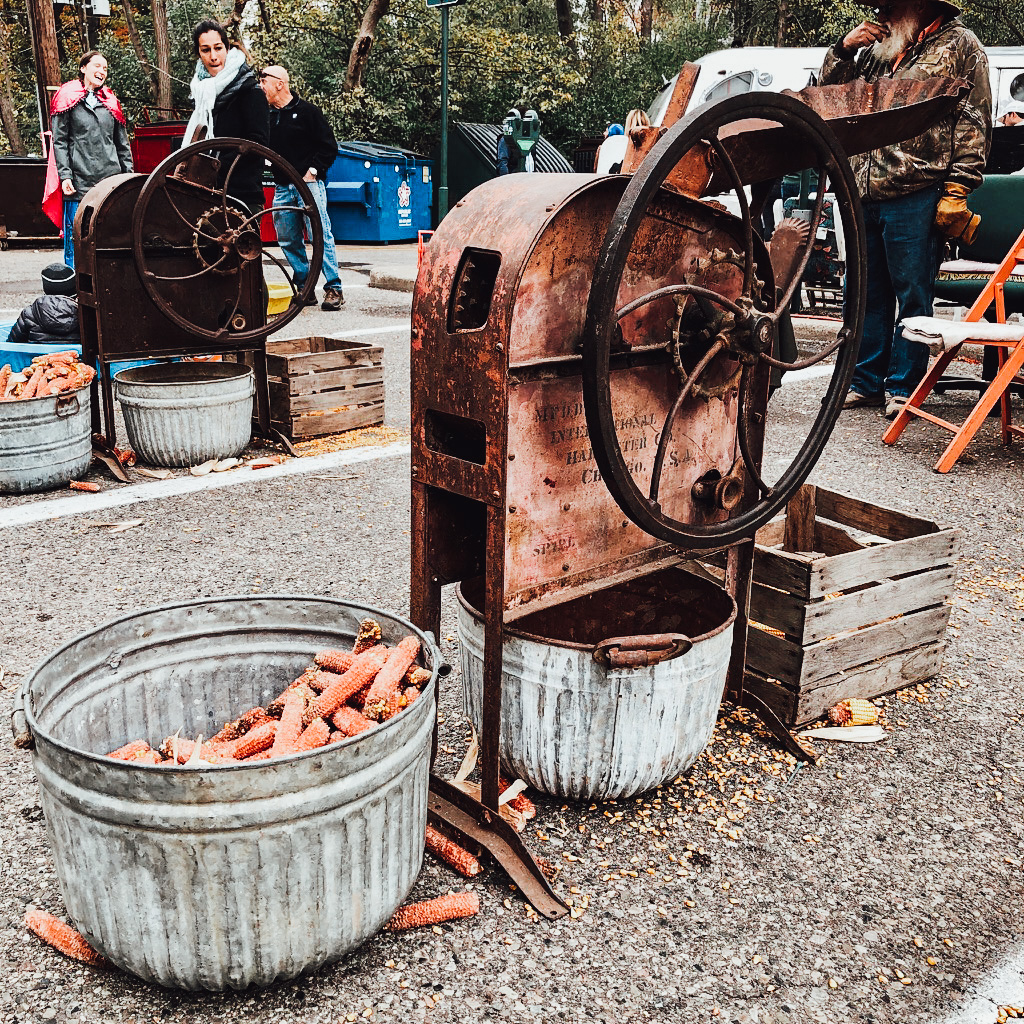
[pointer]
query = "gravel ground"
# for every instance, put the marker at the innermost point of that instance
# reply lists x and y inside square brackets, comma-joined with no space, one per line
[878,886]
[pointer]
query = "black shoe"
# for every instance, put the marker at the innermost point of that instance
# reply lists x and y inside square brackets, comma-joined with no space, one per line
[333,300]
[311,301]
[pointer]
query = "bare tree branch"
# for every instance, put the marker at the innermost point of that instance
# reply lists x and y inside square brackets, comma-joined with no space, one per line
[360,54]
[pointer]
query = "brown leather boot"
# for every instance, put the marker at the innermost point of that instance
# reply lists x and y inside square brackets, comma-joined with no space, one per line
[333,300]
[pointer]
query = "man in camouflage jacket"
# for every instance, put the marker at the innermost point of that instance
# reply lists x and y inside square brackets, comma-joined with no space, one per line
[915,192]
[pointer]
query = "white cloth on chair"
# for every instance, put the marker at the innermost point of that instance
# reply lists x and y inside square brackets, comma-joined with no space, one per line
[941,335]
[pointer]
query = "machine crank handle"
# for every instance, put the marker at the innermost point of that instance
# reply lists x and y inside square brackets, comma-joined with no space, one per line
[640,651]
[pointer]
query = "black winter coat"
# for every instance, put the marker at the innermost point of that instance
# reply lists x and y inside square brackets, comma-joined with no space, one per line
[242,112]
[50,320]
[301,134]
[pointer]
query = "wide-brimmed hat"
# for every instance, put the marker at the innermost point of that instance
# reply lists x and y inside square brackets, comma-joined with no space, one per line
[58,279]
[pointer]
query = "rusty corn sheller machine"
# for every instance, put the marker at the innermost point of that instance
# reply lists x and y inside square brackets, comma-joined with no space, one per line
[591,361]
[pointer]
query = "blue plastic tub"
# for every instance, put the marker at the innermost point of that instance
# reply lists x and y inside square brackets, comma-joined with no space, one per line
[20,356]
[378,193]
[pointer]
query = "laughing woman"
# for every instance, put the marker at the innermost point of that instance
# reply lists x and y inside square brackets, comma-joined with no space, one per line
[229,103]
[89,143]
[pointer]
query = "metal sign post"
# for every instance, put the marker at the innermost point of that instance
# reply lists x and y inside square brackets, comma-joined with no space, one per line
[442,172]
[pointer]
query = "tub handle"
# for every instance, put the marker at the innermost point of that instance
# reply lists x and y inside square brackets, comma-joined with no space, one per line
[19,723]
[639,651]
[67,406]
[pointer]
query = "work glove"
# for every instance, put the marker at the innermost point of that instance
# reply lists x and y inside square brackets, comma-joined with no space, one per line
[952,217]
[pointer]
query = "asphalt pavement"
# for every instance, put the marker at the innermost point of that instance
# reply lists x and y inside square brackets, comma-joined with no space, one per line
[882,885]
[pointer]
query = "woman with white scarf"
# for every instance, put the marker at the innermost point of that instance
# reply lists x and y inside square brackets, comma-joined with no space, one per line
[229,103]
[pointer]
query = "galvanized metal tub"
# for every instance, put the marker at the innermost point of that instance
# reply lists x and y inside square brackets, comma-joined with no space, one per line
[576,727]
[44,442]
[183,414]
[223,877]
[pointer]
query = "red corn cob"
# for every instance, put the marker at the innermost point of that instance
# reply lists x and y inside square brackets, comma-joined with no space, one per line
[449,907]
[130,751]
[417,676]
[255,740]
[390,677]
[13,380]
[350,722]
[369,636]
[315,735]
[334,660]
[262,755]
[47,388]
[335,737]
[33,383]
[52,358]
[148,757]
[83,485]
[5,376]
[520,802]
[241,725]
[364,667]
[287,735]
[451,853]
[410,693]
[62,937]
[186,748]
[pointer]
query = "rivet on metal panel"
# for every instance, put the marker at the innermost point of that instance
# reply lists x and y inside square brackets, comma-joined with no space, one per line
[511,508]
[511,457]
[415,471]
[565,568]
[495,493]
[499,347]
[625,522]
[415,332]
[548,209]
[566,507]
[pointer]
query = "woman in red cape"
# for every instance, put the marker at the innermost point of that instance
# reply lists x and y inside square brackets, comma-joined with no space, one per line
[90,142]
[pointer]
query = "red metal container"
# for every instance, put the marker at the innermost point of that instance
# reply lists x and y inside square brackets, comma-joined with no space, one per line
[154,141]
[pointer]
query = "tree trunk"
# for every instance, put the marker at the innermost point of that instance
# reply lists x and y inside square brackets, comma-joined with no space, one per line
[43,29]
[140,50]
[566,26]
[646,18]
[163,58]
[359,57]
[8,115]
[780,35]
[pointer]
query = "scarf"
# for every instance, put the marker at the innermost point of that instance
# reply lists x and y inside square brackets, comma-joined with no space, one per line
[69,95]
[205,90]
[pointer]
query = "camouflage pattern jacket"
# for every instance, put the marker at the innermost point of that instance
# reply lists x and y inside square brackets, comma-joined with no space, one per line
[954,149]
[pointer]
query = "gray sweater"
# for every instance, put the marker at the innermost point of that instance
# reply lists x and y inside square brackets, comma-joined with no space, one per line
[89,144]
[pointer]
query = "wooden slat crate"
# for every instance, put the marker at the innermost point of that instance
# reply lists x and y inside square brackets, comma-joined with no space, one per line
[849,600]
[324,385]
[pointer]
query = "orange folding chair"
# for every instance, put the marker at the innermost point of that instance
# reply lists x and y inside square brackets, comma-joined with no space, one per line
[946,338]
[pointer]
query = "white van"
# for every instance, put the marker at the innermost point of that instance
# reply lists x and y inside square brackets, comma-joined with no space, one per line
[774,68]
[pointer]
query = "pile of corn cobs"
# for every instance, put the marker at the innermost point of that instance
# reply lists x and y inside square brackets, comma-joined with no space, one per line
[52,374]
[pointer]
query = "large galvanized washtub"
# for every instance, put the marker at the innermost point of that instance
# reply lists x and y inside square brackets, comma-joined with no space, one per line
[222,877]
[575,725]
[183,414]
[44,442]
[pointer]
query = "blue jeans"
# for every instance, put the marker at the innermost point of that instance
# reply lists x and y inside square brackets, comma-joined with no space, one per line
[903,248]
[289,225]
[70,209]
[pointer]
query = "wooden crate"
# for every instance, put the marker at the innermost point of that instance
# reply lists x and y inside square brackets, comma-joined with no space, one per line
[857,598]
[324,385]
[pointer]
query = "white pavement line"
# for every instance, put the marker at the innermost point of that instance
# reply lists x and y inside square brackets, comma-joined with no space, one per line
[18,310]
[807,373]
[1005,982]
[405,325]
[85,504]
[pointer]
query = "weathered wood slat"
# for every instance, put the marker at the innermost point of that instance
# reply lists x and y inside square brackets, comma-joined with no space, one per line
[892,597]
[778,609]
[803,667]
[800,520]
[882,561]
[326,380]
[896,672]
[285,405]
[783,570]
[834,540]
[336,422]
[286,365]
[884,522]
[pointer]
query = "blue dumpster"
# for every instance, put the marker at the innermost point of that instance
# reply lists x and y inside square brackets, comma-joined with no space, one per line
[378,193]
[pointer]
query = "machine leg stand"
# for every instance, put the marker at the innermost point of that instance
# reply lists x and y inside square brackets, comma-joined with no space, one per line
[786,739]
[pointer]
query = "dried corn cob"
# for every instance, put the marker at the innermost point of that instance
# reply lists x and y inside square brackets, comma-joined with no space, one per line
[854,711]
[130,751]
[181,749]
[334,659]
[364,667]
[417,676]
[84,485]
[30,389]
[241,725]
[255,740]
[5,376]
[260,755]
[149,757]
[49,387]
[295,700]
[350,722]
[62,937]
[389,679]
[461,860]
[316,734]
[369,636]
[410,693]
[449,907]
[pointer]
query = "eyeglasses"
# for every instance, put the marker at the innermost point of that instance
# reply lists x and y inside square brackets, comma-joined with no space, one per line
[267,74]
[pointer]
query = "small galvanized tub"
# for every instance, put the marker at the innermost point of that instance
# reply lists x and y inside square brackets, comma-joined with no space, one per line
[222,877]
[44,442]
[582,716]
[184,414]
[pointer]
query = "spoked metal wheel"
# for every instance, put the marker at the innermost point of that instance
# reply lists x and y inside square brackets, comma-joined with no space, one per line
[191,239]
[721,348]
